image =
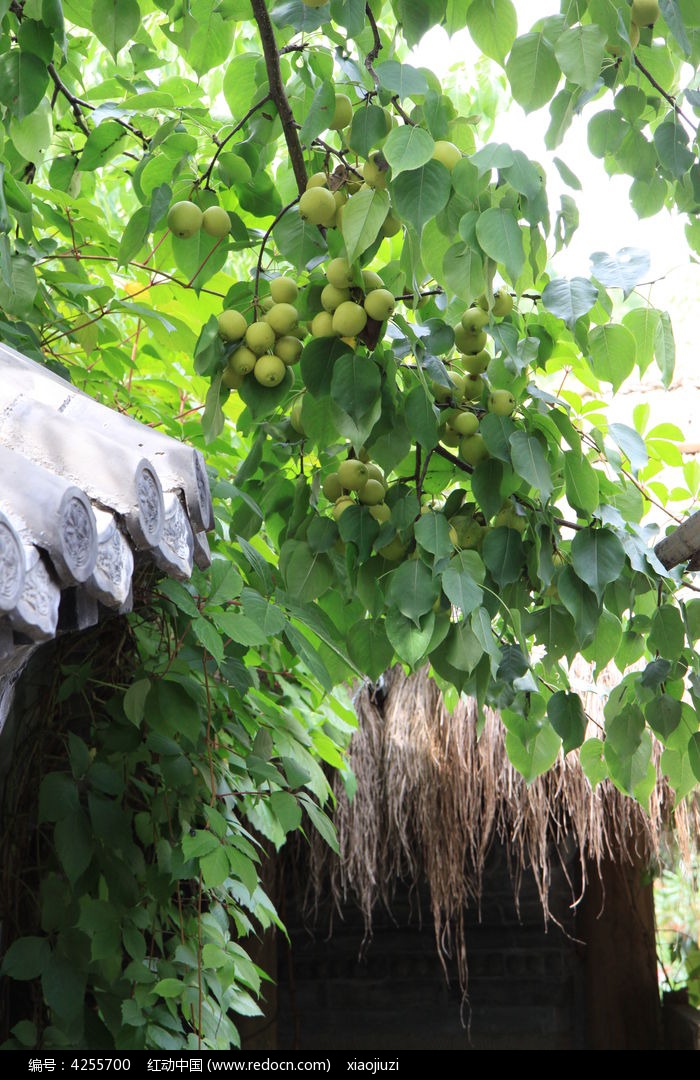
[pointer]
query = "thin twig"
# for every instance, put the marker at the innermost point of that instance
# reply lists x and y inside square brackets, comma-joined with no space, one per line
[78,104]
[664,93]
[277,92]
[404,115]
[205,177]
[266,237]
[441,452]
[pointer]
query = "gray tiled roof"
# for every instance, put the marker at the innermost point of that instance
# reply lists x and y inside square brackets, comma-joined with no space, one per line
[84,491]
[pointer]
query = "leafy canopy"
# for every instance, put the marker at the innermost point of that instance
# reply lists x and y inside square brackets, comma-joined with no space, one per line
[507,530]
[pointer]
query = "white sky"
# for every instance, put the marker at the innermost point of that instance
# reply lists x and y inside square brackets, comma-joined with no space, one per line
[607,221]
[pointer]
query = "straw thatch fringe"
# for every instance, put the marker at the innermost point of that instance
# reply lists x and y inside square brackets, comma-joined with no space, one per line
[436,789]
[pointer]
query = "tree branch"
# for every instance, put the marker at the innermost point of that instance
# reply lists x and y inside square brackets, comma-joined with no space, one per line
[376,48]
[78,104]
[664,93]
[277,92]
[441,452]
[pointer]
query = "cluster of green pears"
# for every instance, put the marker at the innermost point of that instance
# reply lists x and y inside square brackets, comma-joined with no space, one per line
[266,347]
[350,302]
[467,396]
[358,481]
[185,219]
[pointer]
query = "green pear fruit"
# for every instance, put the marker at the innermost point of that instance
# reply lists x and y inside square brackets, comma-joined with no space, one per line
[184,219]
[317,179]
[232,325]
[341,505]
[317,205]
[474,319]
[469,341]
[371,281]
[339,274]
[464,423]
[375,473]
[374,172]
[282,318]
[259,337]
[645,12]
[289,349]
[352,474]
[502,303]
[509,518]
[284,290]
[342,113]
[332,487]
[243,360]
[472,387]
[231,378]
[331,297]
[476,363]
[269,370]
[394,550]
[372,493]
[381,512]
[391,225]
[447,153]
[380,304]
[349,319]
[473,449]
[216,222]
[501,402]
[322,325]
[295,416]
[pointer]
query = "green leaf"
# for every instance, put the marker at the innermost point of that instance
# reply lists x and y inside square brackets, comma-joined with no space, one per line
[462,648]
[419,195]
[355,384]
[240,82]
[317,363]
[115,22]
[58,797]
[496,432]
[322,824]
[671,142]
[569,299]
[580,602]
[401,79]
[421,417]
[665,348]
[529,462]
[606,642]
[299,241]
[357,526]
[593,761]
[631,444]
[23,80]
[63,984]
[169,988]
[581,481]
[406,148]
[493,25]
[533,71]
[134,236]
[102,144]
[412,589]
[623,270]
[134,702]
[368,130]
[369,646]
[463,271]
[410,641]
[320,113]
[461,589]
[363,217]
[566,715]
[663,715]
[500,237]
[613,353]
[598,558]
[694,754]
[580,51]
[308,574]
[667,633]
[539,755]
[643,324]
[432,533]
[26,958]
[504,554]
[215,868]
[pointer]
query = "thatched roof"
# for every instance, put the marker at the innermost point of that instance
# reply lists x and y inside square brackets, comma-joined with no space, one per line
[435,790]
